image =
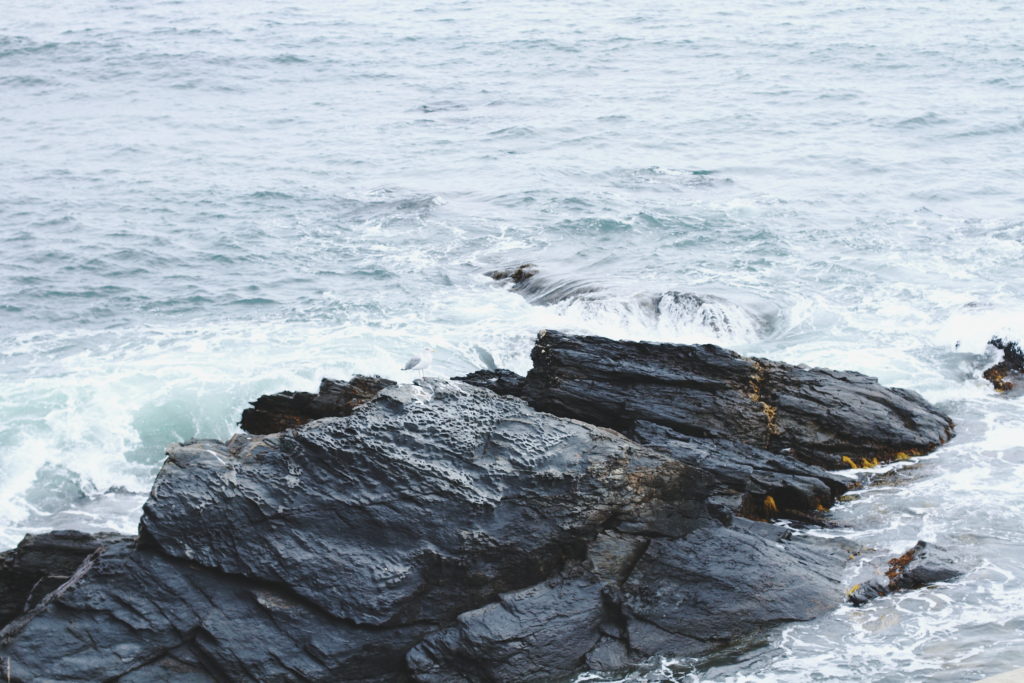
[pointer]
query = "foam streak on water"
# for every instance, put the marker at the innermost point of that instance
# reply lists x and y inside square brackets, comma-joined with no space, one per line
[203,203]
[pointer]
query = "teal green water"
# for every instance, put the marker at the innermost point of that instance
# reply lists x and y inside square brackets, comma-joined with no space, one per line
[206,203]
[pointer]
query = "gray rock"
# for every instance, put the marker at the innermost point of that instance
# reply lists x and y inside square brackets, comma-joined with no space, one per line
[440,531]
[41,563]
[922,565]
[814,415]
[137,614]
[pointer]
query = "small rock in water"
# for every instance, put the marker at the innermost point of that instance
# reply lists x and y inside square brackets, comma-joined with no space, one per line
[922,565]
[1006,373]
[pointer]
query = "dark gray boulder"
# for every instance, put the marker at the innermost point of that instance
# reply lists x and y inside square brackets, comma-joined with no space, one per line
[138,615]
[750,481]
[922,565]
[273,413]
[438,522]
[443,532]
[501,382]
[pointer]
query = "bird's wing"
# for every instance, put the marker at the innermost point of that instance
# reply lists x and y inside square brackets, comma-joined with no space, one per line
[412,362]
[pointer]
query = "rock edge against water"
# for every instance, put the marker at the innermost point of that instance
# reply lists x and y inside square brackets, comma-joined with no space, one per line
[610,506]
[1009,371]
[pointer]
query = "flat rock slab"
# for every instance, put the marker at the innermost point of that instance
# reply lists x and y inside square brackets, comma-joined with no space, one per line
[824,417]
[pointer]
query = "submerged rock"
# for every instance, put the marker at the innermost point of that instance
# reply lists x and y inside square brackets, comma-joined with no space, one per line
[922,565]
[39,564]
[740,316]
[1005,374]
[443,532]
[273,413]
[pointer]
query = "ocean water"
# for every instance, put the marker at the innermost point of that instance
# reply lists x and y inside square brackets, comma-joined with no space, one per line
[205,202]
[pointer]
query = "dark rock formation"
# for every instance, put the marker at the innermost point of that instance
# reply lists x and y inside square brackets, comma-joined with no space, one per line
[443,532]
[922,565]
[39,564]
[273,413]
[823,417]
[418,525]
[501,382]
[138,615]
[1006,373]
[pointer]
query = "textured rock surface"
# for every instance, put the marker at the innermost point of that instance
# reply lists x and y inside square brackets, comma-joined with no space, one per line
[39,564]
[922,565]
[273,413]
[443,532]
[140,615]
[815,415]
[440,521]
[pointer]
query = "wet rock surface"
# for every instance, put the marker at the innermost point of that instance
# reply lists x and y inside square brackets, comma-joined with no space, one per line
[922,565]
[501,382]
[273,413]
[444,532]
[1008,372]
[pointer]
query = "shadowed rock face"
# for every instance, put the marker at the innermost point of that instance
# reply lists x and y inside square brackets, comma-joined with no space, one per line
[442,532]
[139,615]
[273,413]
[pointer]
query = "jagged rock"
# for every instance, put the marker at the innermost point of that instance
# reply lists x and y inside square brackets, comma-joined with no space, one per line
[428,523]
[1006,373]
[922,565]
[438,499]
[39,564]
[823,417]
[273,413]
[445,532]
[680,591]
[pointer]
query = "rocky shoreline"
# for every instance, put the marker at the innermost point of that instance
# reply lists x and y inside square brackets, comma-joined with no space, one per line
[614,504]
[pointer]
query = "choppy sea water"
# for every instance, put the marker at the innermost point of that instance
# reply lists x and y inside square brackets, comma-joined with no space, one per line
[204,202]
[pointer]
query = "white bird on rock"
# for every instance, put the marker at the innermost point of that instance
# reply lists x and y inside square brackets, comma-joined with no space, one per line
[421,362]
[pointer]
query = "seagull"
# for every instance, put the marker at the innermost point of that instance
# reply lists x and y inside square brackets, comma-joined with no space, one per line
[421,362]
